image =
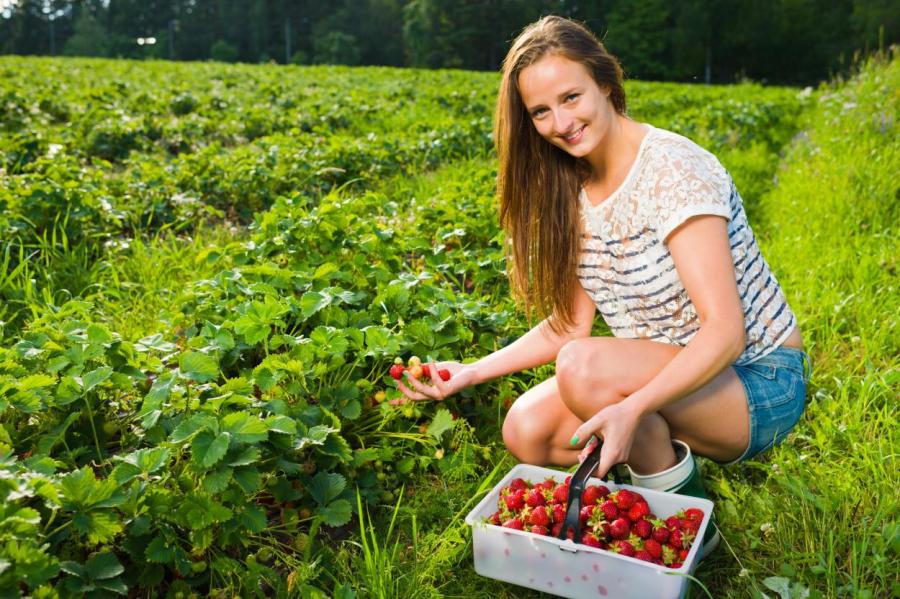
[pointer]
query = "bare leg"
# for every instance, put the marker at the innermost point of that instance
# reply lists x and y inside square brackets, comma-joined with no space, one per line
[597,371]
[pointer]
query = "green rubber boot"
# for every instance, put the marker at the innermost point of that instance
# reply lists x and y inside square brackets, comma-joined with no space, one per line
[683,478]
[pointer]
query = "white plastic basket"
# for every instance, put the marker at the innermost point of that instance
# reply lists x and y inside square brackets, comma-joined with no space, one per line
[570,569]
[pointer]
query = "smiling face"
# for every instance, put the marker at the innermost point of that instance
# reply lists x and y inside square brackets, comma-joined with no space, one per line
[565,104]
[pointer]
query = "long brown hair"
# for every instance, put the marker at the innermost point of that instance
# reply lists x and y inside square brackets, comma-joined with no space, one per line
[537,182]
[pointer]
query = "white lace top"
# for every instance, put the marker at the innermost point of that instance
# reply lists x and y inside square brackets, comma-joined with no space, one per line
[626,267]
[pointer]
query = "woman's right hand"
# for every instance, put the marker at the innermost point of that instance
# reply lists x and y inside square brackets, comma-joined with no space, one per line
[461,376]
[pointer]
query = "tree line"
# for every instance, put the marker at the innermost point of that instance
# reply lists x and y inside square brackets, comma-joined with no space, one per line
[776,41]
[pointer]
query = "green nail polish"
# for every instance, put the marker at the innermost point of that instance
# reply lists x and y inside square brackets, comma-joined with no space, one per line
[574,440]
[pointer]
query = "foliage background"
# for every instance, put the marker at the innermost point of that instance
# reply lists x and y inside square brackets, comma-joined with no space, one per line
[775,41]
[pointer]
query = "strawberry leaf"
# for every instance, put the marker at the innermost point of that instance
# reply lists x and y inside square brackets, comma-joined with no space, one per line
[209,449]
[326,486]
[198,367]
[443,421]
[245,428]
[337,513]
[103,565]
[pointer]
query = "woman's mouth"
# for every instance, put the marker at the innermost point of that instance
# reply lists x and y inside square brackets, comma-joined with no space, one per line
[575,137]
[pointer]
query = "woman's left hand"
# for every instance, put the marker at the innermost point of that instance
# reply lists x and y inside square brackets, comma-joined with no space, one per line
[616,426]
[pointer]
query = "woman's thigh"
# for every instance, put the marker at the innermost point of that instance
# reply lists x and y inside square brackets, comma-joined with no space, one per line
[714,420]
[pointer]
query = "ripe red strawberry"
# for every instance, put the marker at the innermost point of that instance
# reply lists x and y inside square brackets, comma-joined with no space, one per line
[676,565]
[557,528]
[495,518]
[624,499]
[610,511]
[639,510]
[548,484]
[586,513]
[643,555]
[691,525]
[693,514]
[397,371]
[682,555]
[653,548]
[559,512]
[560,494]
[591,495]
[619,528]
[426,371]
[514,523]
[622,547]
[601,529]
[660,533]
[539,516]
[539,530]
[517,483]
[590,540]
[535,498]
[673,522]
[516,500]
[680,539]
[642,528]
[444,374]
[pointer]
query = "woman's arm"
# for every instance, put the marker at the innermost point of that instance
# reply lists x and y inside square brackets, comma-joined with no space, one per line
[538,346]
[702,257]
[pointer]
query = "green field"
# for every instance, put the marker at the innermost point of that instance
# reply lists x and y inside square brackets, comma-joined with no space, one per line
[207,270]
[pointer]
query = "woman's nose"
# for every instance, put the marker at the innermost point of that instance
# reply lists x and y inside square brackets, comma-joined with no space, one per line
[562,122]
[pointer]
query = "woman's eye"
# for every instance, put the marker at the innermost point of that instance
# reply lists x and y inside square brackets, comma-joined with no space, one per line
[572,96]
[537,112]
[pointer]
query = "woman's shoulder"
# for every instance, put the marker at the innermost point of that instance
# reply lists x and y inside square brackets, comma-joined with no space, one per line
[671,144]
[672,153]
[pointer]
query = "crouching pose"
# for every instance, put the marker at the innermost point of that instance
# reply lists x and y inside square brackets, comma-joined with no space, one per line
[603,213]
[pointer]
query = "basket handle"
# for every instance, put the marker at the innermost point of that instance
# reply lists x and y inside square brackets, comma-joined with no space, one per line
[576,488]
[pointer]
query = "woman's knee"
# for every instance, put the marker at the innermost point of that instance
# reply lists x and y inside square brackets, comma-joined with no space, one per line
[526,437]
[585,382]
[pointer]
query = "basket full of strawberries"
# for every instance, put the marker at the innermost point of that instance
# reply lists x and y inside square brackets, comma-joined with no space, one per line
[576,536]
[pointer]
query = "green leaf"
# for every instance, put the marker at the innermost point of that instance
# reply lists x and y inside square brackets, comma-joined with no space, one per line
[312,302]
[380,342]
[326,486]
[97,334]
[248,478]
[337,446]
[198,367]
[115,585]
[217,481]
[254,519]
[351,410]
[159,552]
[142,461]
[103,565]
[245,428]
[317,435]
[67,391]
[99,527]
[73,568]
[209,449]
[95,377]
[248,456]
[282,424]
[337,513]
[443,421]
[154,342]
[189,427]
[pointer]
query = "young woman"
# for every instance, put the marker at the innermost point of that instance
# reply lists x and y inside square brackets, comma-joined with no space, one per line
[606,214]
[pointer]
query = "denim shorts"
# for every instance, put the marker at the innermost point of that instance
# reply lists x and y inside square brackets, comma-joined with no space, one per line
[775,386]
